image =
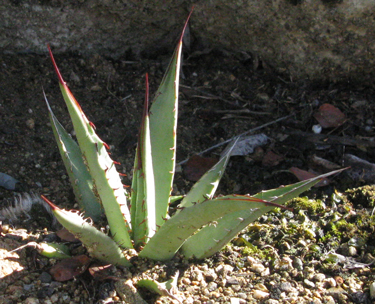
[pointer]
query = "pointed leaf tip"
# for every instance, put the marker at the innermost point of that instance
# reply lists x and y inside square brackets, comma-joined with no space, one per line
[186,23]
[61,80]
[53,206]
[147,104]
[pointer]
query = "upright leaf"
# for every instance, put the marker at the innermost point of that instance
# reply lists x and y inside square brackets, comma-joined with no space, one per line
[163,125]
[107,182]
[143,191]
[79,176]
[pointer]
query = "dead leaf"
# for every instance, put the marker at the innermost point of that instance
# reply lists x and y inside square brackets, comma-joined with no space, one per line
[304,175]
[271,159]
[70,268]
[329,116]
[320,164]
[197,166]
[65,235]
[100,272]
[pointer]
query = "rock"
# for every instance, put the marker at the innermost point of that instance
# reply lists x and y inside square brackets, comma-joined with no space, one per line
[319,277]
[45,277]
[298,264]
[258,268]
[210,275]
[30,123]
[211,286]
[260,295]
[305,39]
[286,287]
[308,283]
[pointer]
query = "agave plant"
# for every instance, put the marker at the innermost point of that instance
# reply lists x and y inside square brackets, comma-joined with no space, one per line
[139,218]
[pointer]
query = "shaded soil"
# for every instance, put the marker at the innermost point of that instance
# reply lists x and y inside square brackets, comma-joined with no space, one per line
[222,95]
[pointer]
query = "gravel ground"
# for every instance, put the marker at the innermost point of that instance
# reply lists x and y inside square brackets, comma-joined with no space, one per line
[321,252]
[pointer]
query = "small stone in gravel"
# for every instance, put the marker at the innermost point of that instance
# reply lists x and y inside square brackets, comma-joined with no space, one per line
[45,277]
[30,123]
[210,275]
[286,286]
[319,277]
[227,269]
[242,295]
[258,268]
[261,287]
[352,251]
[297,263]
[211,286]
[260,295]
[236,288]
[308,283]
[31,301]
[28,287]
[331,282]
[197,275]
[232,281]
[44,292]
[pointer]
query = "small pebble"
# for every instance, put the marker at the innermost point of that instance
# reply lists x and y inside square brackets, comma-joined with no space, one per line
[317,129]
[297,263]
[352,251]
[30,123]
[258,268]
[319,277]
[210,275]
[260,295]
[331,282]
[31,301]
[96,88]
[242,295]
[28,287]
[232,281]
[234,301]
[308,283]
[286,286]
[211,286]
[45,277]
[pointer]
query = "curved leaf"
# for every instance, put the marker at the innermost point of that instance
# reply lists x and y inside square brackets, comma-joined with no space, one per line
[211,239]
[98,244]
[170,237]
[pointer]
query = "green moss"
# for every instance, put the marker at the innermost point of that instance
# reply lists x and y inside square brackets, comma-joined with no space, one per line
[304,203]
[364,196]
